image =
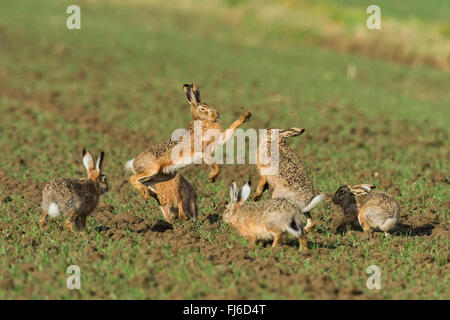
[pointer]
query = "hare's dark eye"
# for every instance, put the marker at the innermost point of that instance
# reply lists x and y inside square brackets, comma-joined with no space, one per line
[104,179]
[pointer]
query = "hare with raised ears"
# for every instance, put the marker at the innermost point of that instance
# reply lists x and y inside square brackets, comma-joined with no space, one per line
[177,198]
[290,181]
[160,162]
[264,220]
[75,198]
[374,210]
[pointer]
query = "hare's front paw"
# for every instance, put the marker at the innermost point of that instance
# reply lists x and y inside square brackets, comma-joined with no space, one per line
[246,116]
[212,178]
[257,197]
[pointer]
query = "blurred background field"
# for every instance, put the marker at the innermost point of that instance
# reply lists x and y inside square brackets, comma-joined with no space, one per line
[375,104]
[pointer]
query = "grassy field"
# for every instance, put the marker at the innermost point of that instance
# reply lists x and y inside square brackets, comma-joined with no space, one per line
[377,115]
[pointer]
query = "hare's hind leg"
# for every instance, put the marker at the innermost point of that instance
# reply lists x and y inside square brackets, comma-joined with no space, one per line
[143,190]
[214,172]
[137,179]
[153,174]
[43,221]
[70,220]
[262,186]
[181,214]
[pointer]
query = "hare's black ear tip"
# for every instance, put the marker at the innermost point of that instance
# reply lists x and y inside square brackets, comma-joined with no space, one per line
[374,186]
[102,153]
[186,85]
[84,152]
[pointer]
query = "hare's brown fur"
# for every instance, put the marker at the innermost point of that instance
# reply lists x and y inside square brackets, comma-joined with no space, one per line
[374,210]
[177,198]
[266,220]
[291,181]
[156,164]
[75,198]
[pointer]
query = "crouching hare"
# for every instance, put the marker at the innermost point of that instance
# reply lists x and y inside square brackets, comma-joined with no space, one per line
[176,197]
[75,198]
[291,180]
[374,210]
[265,220]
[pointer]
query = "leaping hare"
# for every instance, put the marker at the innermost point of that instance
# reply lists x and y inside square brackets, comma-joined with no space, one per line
[157,163]
[177,198]
[75,198]
[291,180]
[264,220]
[374,210]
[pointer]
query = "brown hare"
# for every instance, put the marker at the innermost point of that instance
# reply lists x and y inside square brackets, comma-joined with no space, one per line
[177,198]
[75,198]
[290,181]
[158,163]
[264,220]
[375,211]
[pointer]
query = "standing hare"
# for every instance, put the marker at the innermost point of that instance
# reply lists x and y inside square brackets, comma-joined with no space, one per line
[160,162]
[264,220]
[373,210]
[75,198]
[177,198]
[290,181]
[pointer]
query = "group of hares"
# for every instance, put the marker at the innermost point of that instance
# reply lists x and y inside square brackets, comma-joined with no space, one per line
[155,174]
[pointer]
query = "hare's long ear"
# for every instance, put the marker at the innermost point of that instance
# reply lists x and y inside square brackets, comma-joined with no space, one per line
[99,164]
[367,187]
[245,191]
[233,194]
[196,93]
[291,132]
[360,189]
[190,94]
[88,161]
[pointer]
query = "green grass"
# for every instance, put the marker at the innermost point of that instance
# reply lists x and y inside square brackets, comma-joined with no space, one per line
[125,68]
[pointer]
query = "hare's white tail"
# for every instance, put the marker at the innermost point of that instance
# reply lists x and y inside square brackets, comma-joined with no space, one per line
[314,202]
[294,229]
[53,210]
[388,225]
[130,165]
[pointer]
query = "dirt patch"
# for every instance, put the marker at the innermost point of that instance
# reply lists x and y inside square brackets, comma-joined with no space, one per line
[28,190]
[78,114]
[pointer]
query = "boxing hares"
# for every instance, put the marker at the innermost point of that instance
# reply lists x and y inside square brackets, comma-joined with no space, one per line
[158,163]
